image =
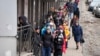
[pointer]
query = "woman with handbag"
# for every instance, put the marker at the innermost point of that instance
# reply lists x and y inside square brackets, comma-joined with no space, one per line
[77,33]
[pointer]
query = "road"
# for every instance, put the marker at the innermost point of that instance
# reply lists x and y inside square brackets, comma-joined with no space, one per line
[91,27]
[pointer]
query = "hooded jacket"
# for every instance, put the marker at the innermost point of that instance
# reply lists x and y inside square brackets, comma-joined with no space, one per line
[25,29]
[47,40]
[24,21]
[66,30]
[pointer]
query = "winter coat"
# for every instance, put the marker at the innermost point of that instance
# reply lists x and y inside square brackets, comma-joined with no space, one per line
[70,7]
[36,39]
[59,21]
[59,39]
[75,6]
[77,30]
[24,27]
[43,30]
[67,32]
[47,40]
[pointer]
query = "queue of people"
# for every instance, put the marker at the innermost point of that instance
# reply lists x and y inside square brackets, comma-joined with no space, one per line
[54,35]
[56,31]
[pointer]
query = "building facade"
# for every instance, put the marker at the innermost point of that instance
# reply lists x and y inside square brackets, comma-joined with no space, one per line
[35,10]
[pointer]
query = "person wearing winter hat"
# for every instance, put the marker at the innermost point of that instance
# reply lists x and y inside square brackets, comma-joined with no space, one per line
[47,40]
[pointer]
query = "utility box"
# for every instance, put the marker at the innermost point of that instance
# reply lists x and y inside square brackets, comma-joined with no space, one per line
[8,17]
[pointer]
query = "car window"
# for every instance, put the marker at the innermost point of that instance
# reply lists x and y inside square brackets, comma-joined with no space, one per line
[94,4]
[96,0]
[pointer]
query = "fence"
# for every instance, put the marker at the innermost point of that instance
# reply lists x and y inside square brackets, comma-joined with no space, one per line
[24,40]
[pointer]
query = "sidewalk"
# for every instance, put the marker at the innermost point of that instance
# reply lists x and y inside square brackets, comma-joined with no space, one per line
[71,51]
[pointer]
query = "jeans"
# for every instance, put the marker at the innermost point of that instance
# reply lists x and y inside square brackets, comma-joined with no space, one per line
[46,51]
[70,17]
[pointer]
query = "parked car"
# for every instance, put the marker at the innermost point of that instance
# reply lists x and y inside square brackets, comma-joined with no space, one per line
[96,10]
[93,4]
[95,0]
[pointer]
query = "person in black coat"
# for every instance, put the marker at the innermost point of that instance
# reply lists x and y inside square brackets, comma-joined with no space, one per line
[23,25]
[58,41]
[77,33]
[52,13]
[47,43]
[37,43]
[58,21]
[23,31]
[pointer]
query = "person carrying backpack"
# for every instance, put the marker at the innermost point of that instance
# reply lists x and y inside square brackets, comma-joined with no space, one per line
[58,41]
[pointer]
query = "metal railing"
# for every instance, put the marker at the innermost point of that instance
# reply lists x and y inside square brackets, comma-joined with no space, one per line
[24,40]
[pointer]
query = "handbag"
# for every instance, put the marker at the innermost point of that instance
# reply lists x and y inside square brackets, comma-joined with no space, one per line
[82,40]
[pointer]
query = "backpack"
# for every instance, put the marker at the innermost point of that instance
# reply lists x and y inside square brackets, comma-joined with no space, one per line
[60,37]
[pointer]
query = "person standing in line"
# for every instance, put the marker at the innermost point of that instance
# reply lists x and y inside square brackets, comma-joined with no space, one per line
[22,22]
[67,32]
[47,40]
[76,10]
[77,33]
[37,41]
[58,21]
[58,41]
[73,21]
[70,6]
[52,12]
